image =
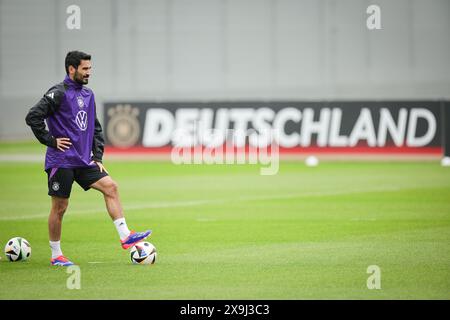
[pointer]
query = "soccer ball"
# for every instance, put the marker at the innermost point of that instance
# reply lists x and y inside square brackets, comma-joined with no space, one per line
[143,253]
[311,161]
[17,249]
[445,162]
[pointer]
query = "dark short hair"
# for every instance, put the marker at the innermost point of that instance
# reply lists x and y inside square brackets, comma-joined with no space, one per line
[73,58]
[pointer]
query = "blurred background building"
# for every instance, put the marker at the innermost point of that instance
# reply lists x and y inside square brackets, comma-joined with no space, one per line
[225,50]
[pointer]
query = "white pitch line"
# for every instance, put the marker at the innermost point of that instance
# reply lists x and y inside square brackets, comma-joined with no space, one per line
[22,158]
[159,205]
[156,205]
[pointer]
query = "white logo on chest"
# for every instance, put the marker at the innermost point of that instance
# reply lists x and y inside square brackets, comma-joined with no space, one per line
[80,102]
[81,120]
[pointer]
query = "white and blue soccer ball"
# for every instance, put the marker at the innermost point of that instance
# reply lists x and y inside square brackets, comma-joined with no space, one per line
[17,249]
[143,253]
[312,161]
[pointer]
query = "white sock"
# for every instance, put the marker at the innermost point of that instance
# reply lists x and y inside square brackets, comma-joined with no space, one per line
[56,249]
[122,228]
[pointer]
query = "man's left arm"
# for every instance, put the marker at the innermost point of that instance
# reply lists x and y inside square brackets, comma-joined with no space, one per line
[98,144]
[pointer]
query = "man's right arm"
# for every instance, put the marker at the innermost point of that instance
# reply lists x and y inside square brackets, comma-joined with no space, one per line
[48,105]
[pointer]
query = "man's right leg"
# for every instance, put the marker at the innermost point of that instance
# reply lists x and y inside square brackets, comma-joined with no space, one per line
[59,206]
[59,185]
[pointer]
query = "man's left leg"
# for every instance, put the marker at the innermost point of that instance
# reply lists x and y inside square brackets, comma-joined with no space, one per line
[109,188]
[93,178]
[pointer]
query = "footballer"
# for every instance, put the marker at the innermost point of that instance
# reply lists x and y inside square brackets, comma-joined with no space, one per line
[75,145]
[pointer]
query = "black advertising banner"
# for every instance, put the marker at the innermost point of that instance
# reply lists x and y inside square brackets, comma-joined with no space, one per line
[337,125]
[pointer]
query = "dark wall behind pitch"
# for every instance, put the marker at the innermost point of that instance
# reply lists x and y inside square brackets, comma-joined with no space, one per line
[342,124]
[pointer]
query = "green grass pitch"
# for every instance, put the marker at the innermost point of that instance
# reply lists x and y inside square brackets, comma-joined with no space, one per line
[225,232]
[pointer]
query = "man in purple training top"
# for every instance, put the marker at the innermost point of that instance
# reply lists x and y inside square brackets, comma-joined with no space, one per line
[75,143]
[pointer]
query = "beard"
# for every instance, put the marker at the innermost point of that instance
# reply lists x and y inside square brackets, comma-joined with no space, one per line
[80,79]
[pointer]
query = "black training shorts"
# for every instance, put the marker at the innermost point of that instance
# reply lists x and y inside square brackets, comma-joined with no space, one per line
[60,180]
